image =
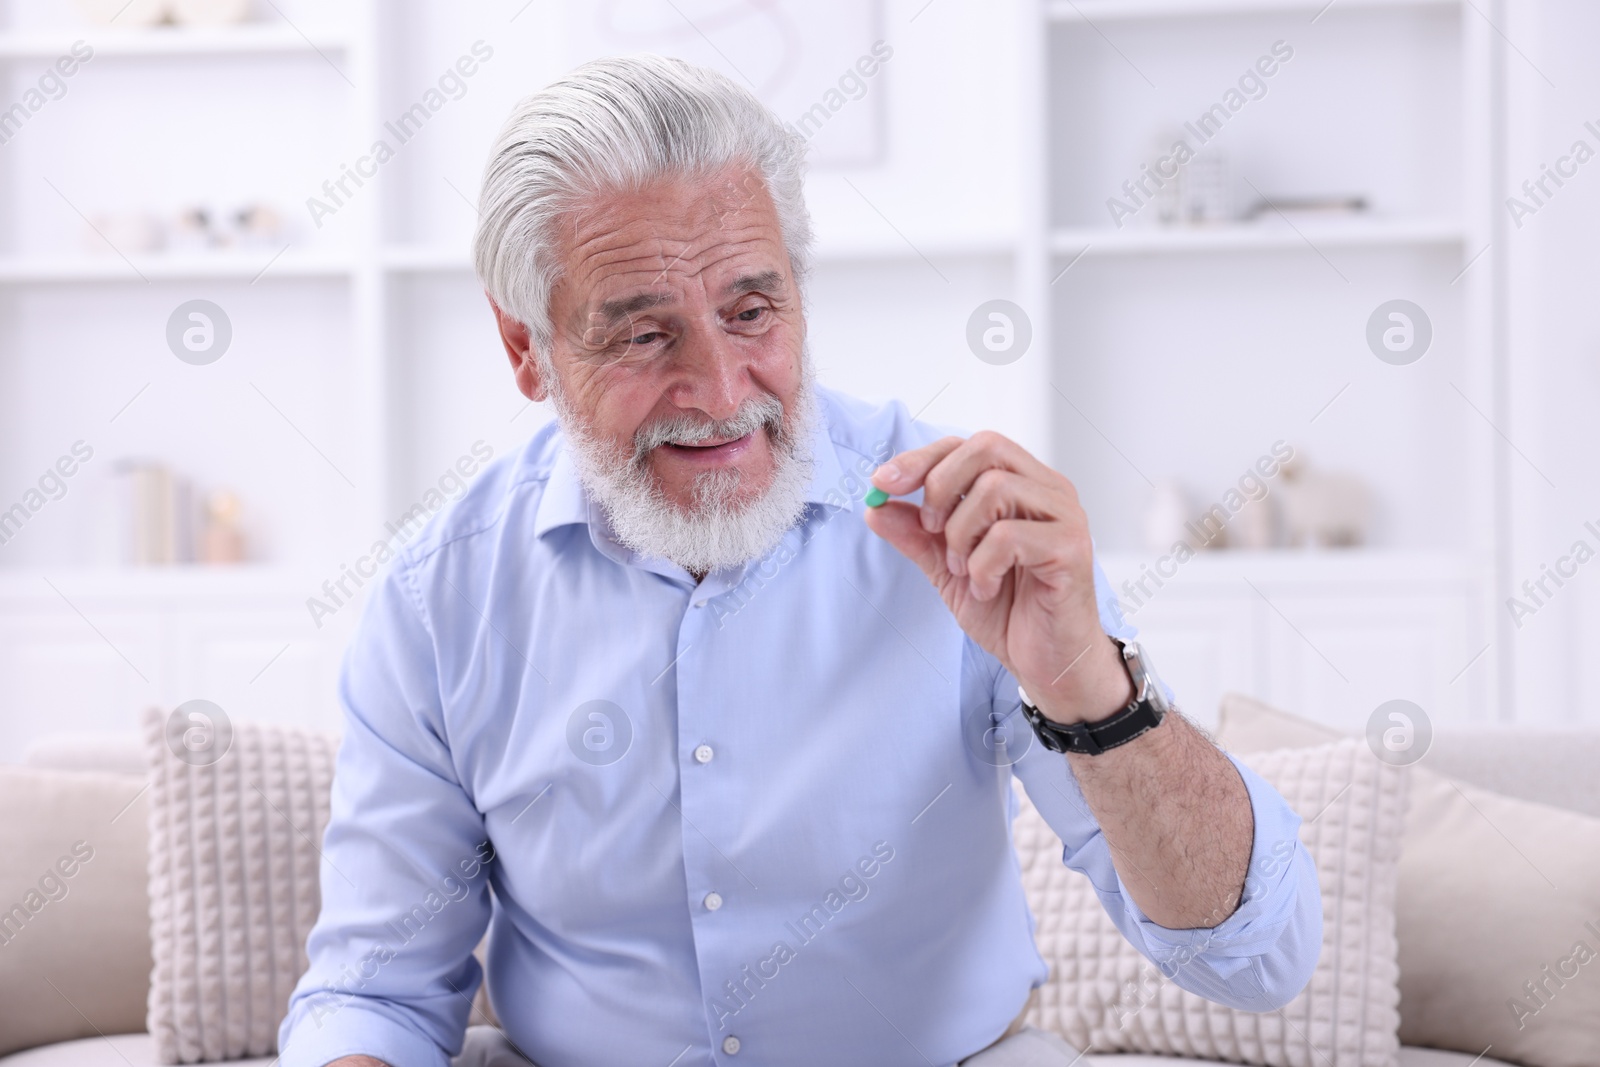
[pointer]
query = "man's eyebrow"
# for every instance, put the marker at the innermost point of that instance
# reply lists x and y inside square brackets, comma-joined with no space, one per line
[624,307]
[755,283]
[627,306]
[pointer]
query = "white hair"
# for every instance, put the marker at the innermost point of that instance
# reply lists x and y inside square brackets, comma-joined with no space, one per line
[613,125]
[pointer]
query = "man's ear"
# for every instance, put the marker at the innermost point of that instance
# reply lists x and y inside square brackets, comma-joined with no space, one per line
[518,341]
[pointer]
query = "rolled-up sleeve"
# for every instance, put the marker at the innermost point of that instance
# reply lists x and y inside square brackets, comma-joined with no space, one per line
[404,879]
[1257,959]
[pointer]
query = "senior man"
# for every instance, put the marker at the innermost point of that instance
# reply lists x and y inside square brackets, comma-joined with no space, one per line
[733,750]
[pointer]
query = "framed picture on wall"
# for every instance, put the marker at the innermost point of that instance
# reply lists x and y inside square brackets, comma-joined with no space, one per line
[821,65]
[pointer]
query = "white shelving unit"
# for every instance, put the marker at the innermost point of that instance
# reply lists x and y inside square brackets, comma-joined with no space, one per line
[105,640]
[1257,237]
[1172,345]
[365,361]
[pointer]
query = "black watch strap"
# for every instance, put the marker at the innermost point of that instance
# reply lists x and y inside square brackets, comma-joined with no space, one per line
[1093,738]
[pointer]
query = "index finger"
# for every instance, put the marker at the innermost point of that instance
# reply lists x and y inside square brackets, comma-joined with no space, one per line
[953,477]
[905,473]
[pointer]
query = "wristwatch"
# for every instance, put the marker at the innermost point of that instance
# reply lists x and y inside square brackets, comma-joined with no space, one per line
[1143,713]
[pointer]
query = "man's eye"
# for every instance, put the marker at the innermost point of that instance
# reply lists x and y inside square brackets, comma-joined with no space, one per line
[646,338]
[750,314]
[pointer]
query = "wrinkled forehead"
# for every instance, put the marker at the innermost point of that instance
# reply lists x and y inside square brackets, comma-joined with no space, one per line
[711,236]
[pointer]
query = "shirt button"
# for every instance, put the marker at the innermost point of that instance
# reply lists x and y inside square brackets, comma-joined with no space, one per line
[703,754]
[713,901]
[730,1045]
[699,603]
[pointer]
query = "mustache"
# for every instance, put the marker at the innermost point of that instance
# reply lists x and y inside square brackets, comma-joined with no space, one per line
[757,413]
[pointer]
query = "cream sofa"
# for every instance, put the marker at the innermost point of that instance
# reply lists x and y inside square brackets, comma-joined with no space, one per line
[1551,768]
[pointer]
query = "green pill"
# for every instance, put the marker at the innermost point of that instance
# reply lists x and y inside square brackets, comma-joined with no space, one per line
[877,498]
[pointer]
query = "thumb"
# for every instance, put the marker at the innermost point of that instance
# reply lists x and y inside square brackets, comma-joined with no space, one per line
[900,524]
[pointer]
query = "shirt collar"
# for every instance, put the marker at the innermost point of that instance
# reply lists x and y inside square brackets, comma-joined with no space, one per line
[565,501]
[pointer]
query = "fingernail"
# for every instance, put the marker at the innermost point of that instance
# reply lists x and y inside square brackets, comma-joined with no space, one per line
[953,563]
[888,473]
[928,520]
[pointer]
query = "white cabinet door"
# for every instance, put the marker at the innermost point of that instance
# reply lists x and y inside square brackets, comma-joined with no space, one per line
[1336,655]
[263,663]
[1329,636]
[57,673]
[156,638]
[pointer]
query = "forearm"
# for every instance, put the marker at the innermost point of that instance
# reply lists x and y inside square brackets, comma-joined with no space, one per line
[1177,818]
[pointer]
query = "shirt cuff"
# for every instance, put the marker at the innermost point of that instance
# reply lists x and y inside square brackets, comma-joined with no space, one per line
[322,1032]
[1266,907]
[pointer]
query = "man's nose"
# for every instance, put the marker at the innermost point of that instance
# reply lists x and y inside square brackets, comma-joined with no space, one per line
[711,374]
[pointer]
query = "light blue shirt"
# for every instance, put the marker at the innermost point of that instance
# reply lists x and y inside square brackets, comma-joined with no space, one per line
[773,806]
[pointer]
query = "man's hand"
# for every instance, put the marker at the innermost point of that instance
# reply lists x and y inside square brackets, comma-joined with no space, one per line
[356,1061]
[1004,540]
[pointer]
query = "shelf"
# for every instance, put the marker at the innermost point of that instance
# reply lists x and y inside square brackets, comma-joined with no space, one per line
[1390,567]
[247,38]
[1093,12]
[444,259]
[249,266]
[1246,238]
[852,249]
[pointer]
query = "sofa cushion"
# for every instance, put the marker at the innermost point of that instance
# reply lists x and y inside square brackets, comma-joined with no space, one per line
[74,935]
[118,1050]
[82,751]
[1102,995]
[235,839]
[1498,911]
[1548,765]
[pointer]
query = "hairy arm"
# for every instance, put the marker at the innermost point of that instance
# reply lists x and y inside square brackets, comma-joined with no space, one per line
[1178,821]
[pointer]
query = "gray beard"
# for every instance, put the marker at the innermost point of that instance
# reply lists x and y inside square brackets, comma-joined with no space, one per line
[718,530]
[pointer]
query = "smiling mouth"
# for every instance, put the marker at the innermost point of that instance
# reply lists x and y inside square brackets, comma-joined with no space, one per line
[710,446]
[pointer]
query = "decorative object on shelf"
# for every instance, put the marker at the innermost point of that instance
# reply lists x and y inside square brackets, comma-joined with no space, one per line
[1258,525]
[195,228]
[152,12]
[155,510]
[256,226]
[1184,185]
[1275,208]
[1324,509]
[1207,188]
[132,232]
[221,539]
[1169,195]
[162,524]
[192,231]
[1166,516]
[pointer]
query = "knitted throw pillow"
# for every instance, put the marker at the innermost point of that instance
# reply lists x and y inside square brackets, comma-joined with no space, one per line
[1103,996]
[236,820]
